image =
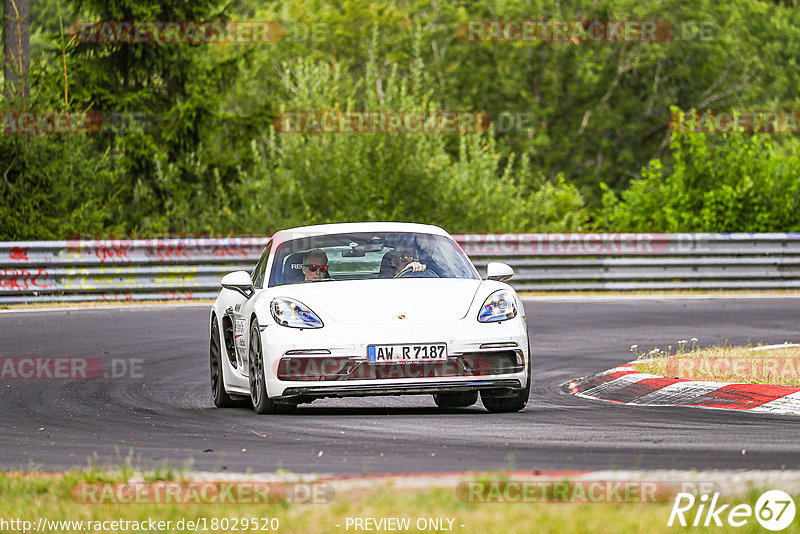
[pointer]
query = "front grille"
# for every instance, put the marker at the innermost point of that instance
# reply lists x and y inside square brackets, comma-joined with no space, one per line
[351,368]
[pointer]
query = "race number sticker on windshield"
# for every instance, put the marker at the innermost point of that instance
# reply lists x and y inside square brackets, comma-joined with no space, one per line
[407,353]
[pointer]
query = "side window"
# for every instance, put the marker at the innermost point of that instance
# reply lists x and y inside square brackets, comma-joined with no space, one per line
[261,267]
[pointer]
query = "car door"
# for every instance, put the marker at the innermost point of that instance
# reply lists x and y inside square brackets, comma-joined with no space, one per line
[236,312]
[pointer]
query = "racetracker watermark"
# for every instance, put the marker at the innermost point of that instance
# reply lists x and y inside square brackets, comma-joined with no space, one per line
[565,31]
[581,492]
[202,492]
[177,32]
[69,368]
[72,122]
[144,249]
[735,120]
[392,366]
[92,237]
[576,244]
[381,122]
[776,366]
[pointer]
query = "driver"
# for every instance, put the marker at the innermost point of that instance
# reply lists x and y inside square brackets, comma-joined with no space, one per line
[405,257]
[315,265]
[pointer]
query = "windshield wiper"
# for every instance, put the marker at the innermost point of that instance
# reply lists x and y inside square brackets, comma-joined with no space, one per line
[322,280]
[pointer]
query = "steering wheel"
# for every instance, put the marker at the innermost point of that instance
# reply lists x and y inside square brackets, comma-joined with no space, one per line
[409,272]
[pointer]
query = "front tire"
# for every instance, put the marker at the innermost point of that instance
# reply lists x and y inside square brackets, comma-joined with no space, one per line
[512,403]
[221,397]
[461,399]
[262,404]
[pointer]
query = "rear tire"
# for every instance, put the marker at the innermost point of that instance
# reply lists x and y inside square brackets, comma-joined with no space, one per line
[262,404]
[461,399]
[512,403]
[221,397]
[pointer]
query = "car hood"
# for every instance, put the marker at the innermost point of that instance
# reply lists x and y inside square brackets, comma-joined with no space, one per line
[378,301]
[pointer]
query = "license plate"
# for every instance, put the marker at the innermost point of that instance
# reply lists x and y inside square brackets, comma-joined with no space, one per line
[407,353]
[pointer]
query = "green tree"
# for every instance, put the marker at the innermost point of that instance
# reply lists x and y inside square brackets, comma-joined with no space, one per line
[315,178]
[52,186]
[162,167]
[593,111]
[731,183]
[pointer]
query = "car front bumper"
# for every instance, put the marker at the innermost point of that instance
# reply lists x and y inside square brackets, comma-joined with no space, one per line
[364,390]
[472,349]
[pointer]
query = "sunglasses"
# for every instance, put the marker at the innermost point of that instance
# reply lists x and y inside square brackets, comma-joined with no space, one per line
[313,267]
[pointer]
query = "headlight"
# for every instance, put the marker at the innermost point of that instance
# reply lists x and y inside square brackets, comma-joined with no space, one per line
[500,306]
[288,312]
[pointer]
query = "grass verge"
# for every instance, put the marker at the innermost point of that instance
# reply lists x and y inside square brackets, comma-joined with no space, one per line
[32,496]
[739,364]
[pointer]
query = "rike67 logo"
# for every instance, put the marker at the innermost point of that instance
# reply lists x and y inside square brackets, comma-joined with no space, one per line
[774,510]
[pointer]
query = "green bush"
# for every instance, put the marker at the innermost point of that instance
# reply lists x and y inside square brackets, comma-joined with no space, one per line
[718,183]
[314,178]
[52,186]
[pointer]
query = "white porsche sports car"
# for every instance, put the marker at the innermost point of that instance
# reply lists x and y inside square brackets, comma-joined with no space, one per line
[359,309]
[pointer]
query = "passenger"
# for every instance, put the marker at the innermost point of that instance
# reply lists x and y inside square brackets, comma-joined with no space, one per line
[315,265]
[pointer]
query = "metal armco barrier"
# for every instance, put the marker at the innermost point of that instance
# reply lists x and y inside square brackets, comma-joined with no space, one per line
[161,269]
[119,270]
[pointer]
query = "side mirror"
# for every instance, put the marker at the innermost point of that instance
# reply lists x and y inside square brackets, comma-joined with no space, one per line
[239,281]
[498,271]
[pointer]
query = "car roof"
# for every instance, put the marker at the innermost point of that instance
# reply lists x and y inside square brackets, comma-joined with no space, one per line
[357,227]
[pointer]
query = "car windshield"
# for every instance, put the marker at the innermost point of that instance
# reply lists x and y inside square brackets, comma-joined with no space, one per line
[361,256]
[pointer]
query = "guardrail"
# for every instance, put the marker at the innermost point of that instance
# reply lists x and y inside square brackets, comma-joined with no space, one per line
[160,269]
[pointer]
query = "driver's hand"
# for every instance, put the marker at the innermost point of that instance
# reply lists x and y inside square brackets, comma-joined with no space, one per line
[415,266]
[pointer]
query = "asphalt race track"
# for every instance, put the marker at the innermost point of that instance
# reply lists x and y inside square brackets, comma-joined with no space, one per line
[166,416]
